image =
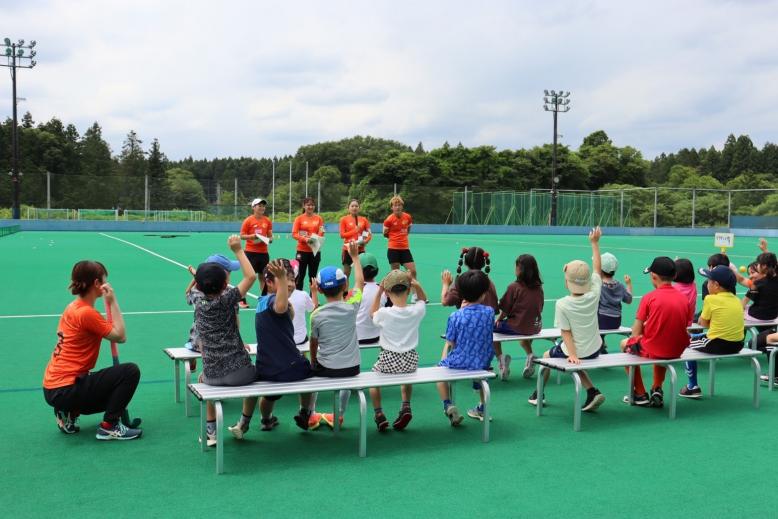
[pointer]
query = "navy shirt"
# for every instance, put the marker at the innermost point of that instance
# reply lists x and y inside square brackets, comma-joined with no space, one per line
[276,350]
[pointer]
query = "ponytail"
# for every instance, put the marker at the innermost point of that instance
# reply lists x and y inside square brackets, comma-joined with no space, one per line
[475,258]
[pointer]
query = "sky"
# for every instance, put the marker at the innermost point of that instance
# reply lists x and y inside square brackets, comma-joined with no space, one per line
[259,78]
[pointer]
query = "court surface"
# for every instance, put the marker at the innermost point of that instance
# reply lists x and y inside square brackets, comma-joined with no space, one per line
[713,461]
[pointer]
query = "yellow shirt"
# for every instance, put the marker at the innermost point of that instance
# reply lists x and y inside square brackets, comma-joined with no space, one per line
[725,314]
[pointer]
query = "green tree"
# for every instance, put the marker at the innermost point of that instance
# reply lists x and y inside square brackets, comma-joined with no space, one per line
[186,191]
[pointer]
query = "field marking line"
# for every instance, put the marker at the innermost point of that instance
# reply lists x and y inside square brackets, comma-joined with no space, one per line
[160,256]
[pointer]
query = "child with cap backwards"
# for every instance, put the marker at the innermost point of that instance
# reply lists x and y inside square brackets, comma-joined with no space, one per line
[278,358]
[520,312]
[612,294]
[255,230]
[399,325]
[396,228]
[334,346]
[225,359]
[722,315]
[353,227]
[659,331]
[306,227]
[468,340]
[576,316]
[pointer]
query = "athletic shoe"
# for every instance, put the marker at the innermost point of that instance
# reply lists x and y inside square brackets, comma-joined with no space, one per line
[66,422]
[694,392]
[766,379]
[477,413]
[314,421]
[210,439]
[119,431]
[639,400]
[594,399]
[533,398]
[505,367]
[329,419]
[301,419]
[403,419]
[381,423]
[529,367]
[268,424]
[453,415]
[657,398]
[239,430]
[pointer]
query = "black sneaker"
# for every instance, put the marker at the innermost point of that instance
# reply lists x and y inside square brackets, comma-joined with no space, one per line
[594,399]
[403,419]
[268,424]
[381,422]
[641,400]
[657,398]
[694,392]
[533,398]
[302,418]
[66,422]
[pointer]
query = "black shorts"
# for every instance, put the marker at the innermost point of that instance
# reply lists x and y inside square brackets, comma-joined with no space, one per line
[258,260]
[401,256]
[321,371]
[345,257]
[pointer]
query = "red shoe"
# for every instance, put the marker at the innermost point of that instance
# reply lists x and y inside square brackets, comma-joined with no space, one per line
[403,419]
[314,421]
[329,419]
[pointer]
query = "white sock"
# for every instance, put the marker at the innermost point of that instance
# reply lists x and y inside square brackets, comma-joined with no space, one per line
[344,397]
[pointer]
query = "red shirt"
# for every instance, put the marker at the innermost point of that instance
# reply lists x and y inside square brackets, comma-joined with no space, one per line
[303,227]
[351,229]
[399,227]
[80,330]
[665,313]
[254,225]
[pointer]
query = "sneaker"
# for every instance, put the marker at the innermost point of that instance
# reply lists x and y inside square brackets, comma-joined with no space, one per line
[268,424]
[453,415]
[119,431]
[533,398]
[594,399]
[66,422]
[210,439]
[505,368]
[657,398]
[381,422]
[477,413]
[329,419]
[529,367]
[766,379]
[640,400]
[314,421]
[239,430]
[301,419]
[694,392]
[403,419]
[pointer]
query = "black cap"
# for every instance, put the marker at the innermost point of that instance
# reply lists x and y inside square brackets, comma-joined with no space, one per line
[721,275]
[661,266]
[210,278]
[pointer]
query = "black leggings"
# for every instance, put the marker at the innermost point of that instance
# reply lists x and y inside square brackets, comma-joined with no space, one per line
[109,390]
[761,344]
[307,261]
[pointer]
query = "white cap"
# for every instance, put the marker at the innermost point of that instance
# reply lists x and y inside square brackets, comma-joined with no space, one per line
[258,201]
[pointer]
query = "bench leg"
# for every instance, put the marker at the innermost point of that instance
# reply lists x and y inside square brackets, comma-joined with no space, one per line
[487,416]
[187,393]
[336,412]
[362,424]
[757,373]
[673,391]
[219,437]
[712,375]
[752,342]
[540,388]
[771,369]
[177,379]
[203,419]
[558,378]
[577,401]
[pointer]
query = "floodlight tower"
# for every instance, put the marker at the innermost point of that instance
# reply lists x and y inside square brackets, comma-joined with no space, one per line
[555,102]
[16,53]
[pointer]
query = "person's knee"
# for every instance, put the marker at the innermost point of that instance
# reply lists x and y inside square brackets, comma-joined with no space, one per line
[132,371]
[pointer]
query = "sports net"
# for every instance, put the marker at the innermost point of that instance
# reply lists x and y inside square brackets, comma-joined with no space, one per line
[7,230]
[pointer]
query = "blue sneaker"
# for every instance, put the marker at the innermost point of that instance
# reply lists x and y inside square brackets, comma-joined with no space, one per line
[119,431]
[477,413]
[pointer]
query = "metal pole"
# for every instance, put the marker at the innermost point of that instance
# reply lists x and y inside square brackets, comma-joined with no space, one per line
[318,196]
[273,192]
[235,199]
[48,190]
[465,221]
[655,197]
[694,201]
[621,213]
[145,197]
[15,140]
[553,171]
[729,208]
[395,189]
[306,179]
[290,191]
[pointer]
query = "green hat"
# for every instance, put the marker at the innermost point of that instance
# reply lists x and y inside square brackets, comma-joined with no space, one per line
[368,260]
[609,263]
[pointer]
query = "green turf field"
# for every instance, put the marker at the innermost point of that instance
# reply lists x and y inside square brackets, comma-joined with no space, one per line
[711,461]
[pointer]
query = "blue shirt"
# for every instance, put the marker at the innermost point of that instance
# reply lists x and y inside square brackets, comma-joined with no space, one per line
[470,331]
[276,350]
[611,296]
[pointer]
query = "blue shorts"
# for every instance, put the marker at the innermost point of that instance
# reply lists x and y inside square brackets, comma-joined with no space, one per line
[556,353]
[502,327]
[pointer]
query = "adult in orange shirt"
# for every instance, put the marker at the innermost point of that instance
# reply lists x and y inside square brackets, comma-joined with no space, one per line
[257,225]
[304,227]
[68,385]
[396,227]
[353,228]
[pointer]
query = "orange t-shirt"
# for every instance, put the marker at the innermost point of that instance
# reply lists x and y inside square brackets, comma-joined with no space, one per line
[303,227]
[351,229]
[398,230]
[254,225]
[80,330]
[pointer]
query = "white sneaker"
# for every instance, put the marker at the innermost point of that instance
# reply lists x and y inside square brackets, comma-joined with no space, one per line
[505,367]
[238,430]
[211,441]
[529,367]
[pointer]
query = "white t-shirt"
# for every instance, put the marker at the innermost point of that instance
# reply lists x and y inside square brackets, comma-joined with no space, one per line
[579,315]
[365,327]
[400,326]
[302,303]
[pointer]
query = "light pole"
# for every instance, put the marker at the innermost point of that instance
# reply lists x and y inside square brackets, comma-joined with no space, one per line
[555,102]
[15,53]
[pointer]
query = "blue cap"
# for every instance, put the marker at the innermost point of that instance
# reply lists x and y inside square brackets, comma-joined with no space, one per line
[226,264]
[721,275]
[330,277]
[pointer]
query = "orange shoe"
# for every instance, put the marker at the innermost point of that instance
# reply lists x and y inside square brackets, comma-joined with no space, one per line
[329,419]
[313,421]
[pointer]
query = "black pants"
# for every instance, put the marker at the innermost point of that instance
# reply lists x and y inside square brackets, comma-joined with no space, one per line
[307,261]
[761,344]
[109,390]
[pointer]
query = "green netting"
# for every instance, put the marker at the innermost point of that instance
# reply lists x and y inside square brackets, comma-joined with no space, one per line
[534,208]
[8,230]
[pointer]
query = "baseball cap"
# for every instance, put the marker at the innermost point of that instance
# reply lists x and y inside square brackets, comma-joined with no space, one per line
[330,277]
[578,276]
[368,260]
[396,278]
[721,275]
[258,201]
[609,262]
[210,278]
[661,266]
[226,264]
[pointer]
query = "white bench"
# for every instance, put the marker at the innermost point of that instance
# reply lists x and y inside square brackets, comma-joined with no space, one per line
[614,360]
[217,394]
[552,334]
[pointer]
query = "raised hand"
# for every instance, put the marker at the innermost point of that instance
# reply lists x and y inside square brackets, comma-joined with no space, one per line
[446,277]
[276,267]
[594,234]
[234,243]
